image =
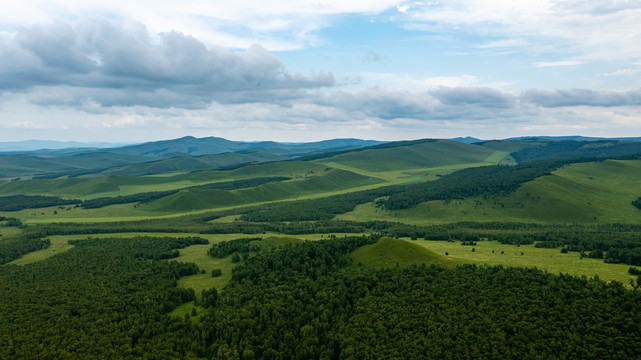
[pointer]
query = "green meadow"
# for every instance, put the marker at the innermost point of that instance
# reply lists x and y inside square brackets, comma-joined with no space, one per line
[550,260]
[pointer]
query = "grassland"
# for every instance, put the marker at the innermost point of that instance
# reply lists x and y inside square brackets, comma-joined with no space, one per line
[347,172]
[389,252]
[423,155]
[8,231]
[596,192]
[550,260]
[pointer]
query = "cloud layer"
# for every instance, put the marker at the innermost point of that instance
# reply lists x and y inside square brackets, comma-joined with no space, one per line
[113,64]
[114,74]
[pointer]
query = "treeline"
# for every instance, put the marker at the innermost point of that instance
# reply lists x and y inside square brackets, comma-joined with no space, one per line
[637,203]
[11,222]
[103,299]
[555,149]
[307,302]
[200,225]
[148,197]
[21,202]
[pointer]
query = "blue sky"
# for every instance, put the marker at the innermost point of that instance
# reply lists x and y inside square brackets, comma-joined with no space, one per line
[312,70]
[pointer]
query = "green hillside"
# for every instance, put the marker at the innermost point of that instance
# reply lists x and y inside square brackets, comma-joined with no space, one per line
[595,192]
[186,163]
[389,252]
[26,165]
[326,181]
[421,155]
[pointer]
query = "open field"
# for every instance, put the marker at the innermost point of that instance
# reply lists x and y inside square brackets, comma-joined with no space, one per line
[551,260]
[204,281]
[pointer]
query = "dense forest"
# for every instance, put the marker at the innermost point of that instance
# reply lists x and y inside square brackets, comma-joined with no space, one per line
[101,299]
[110,299]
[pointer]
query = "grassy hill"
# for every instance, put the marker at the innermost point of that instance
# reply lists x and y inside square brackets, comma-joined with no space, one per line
[26,165]
[421,155]
[325,181]
[389,252]
[188,163]
[347,171]
[594,192]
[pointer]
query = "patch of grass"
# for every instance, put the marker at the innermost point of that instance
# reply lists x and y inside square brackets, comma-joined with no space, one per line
[9,231]
[550,260]
[204,281]
[389,252]
[59,245]
[186,309]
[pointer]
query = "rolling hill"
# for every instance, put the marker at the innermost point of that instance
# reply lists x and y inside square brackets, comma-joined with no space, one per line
[591,193]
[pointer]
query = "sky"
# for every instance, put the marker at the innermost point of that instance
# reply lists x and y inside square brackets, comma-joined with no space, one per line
[132,71]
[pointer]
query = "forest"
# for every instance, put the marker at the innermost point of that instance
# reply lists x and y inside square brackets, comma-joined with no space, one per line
[110,299]
[284,277]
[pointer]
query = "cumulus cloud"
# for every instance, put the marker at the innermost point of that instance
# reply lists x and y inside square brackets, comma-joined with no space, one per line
[115,64]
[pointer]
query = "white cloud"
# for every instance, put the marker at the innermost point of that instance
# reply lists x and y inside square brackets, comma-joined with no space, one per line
[592,30]
[276,24]
[635,69]
[542,64]
[105,62]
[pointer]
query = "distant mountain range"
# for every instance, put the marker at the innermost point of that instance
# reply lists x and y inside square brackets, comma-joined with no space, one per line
[190,145]
[186,153]
[573,138]
[34,145]
[190,153]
